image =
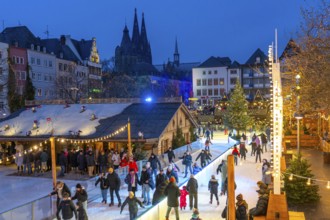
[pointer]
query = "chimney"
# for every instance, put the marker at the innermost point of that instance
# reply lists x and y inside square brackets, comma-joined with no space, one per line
[62,40]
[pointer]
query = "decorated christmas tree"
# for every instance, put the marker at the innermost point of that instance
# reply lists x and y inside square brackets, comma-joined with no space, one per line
[298,183]
[236,115]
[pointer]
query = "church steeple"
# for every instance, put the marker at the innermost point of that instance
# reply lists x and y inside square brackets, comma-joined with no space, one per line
[144,38]
[136,33]
[176,54]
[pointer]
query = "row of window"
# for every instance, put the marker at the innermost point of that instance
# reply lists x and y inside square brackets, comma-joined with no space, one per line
[17,60]
[47,92]
[216,72]
[215,81]
[210,92]
[65,67]
[38,76]
[37,61]
[20,75]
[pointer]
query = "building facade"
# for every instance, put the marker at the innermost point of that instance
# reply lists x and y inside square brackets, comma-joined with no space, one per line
[255,76]
[211,80]
[3,79]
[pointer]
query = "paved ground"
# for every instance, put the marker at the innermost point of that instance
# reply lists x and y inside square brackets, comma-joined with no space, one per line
[320,210]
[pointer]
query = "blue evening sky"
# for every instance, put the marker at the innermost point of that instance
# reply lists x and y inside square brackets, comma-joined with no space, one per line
[204,28]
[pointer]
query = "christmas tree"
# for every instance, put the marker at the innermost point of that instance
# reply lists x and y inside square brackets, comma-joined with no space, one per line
[236,115]
[296,186]
[29,88]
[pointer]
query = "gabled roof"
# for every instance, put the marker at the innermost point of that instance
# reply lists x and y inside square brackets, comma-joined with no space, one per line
[253,57]
[215,62]
[54,46]
[290,50]
[20,34]
[83,47]
[235,64]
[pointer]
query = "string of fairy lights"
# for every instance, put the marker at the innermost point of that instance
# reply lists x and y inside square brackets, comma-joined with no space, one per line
[44,142]
[309,180]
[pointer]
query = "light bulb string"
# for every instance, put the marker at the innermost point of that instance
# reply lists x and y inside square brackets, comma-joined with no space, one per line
[303,177]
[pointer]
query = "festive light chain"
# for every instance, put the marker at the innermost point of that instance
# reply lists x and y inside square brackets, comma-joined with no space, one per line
[309,180]
[62,140]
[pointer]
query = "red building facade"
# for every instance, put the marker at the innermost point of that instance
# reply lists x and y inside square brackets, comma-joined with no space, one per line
[19,65]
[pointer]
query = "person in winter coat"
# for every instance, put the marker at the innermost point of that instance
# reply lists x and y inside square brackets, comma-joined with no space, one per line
[170,154]
[109,158]
[223,169]
[63,162]
[124,160]
[132,165]
[114,186]
[253,144]
[236,154]
[183,197]
[149,170]
[116,160]
[73,160]
[209,155]
[145,180]
[82,215]
[59,190]
[81,195]
[19,162]
[159,193]
[195,215]
[104,185]
[132,180]
[103,162]
[154,161]
[81,162]
[171,173]
[192,188]
[263,141]
[160,178]
[241,208]
[90,161]
[196,168]
[262,204]
[132,202]
[242,149]
[203,155]
[67,208]
[266,177]
[173,193]
[224,187]
[187,161]
[258,152]
[43,160]
[27,162]
[213,188]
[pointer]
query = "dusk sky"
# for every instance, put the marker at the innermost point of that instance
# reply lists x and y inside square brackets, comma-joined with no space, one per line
[234,28]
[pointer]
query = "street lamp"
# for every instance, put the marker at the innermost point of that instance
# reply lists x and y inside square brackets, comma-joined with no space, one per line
[297,114]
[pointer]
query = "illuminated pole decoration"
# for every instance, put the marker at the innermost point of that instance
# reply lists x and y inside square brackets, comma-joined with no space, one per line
[277,117]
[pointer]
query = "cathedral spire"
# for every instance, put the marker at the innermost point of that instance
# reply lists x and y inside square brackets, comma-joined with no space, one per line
[144,38]
[136,32]
[176,55]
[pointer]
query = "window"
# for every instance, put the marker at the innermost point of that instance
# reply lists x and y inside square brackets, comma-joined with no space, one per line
[204,82]
[198,82]
[233,81]
[204,92]
[39,76]
[21,60]
[221,81]
[215,71]
[222,92]
[45,93]
[210,92]
[209,82]
[0,54]
[215,82]
[50,63]
[257,59]
[60,66]
[45,77]
[33,60]
[17,60]
[65,67]
[33,75]
[204,72]
[45,62]
[210,72]
[1,71]
[1,88]
[216,92]
[198,92]
[233,71]
[23,75]
[39,92]
[2,105]
[38,61]
[50,78]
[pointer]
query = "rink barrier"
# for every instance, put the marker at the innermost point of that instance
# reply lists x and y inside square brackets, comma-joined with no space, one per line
[159,211]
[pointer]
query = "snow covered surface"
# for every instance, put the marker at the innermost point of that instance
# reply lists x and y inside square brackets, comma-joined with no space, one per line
[59,119]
